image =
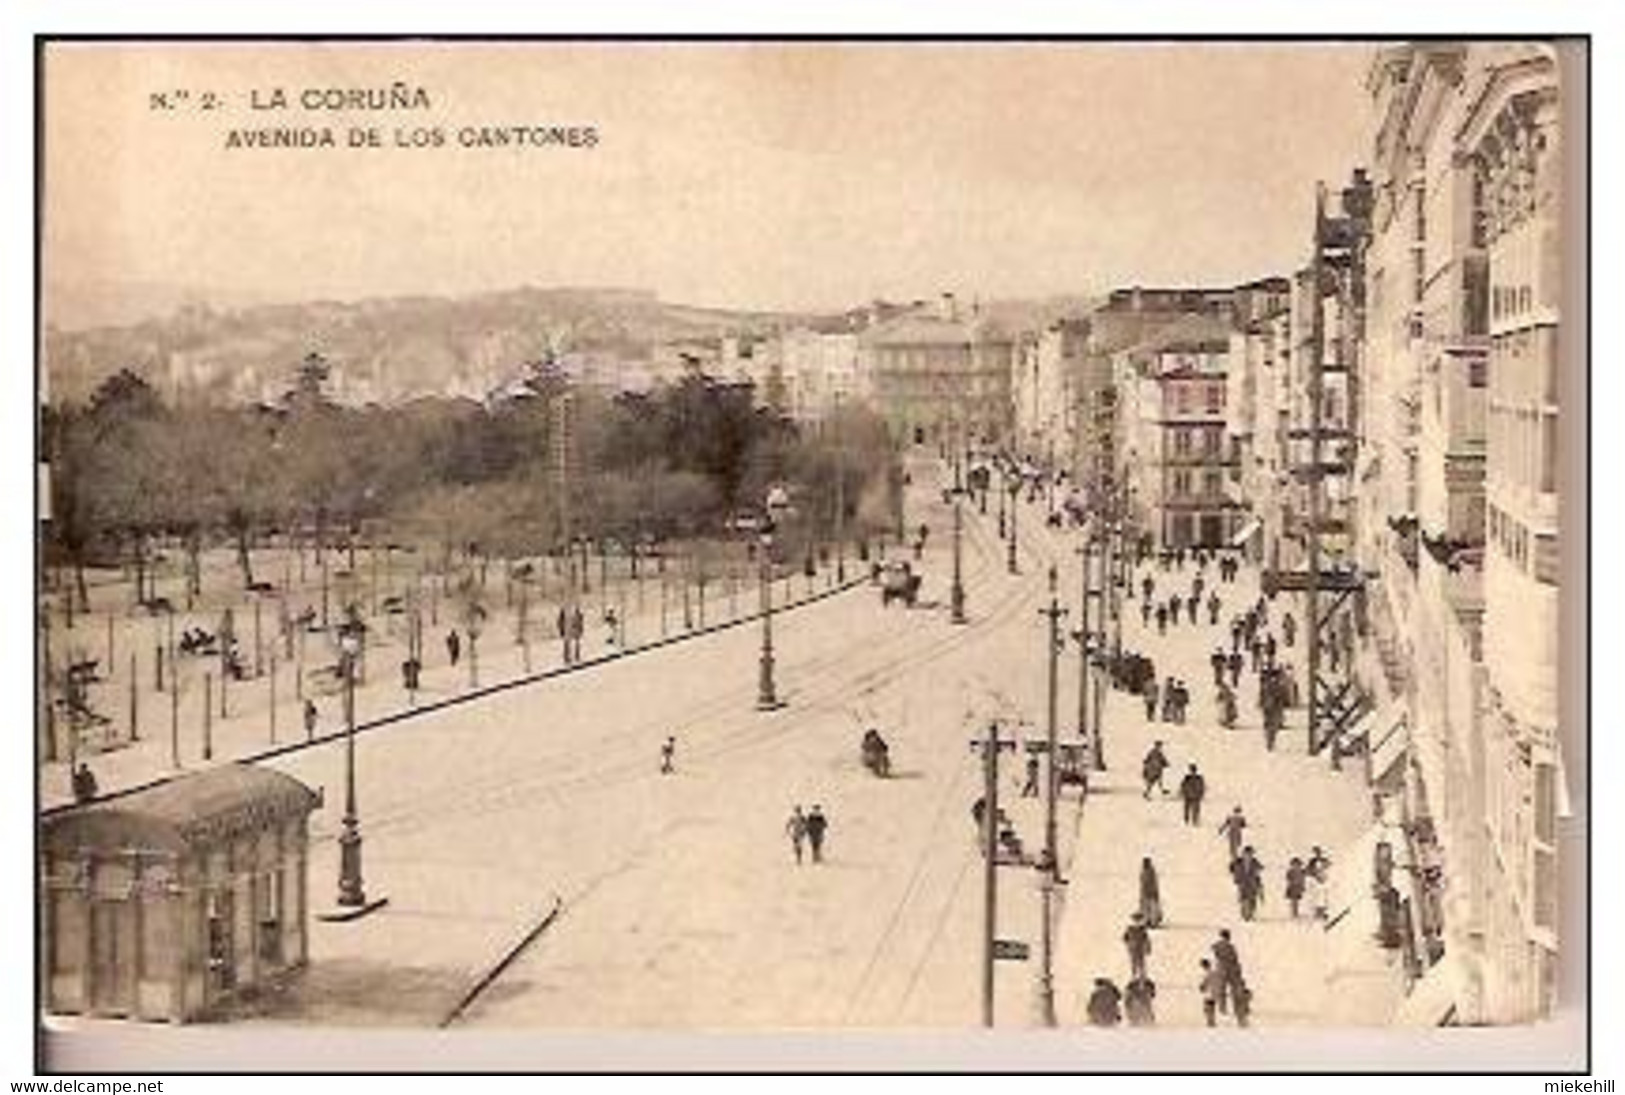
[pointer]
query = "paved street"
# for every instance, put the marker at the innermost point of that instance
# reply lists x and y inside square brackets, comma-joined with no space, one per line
[678,900]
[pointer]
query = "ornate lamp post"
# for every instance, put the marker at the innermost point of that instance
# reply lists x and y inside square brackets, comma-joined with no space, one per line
[766,695]
[352,895]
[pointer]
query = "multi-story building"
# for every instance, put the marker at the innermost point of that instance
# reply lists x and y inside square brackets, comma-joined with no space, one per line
[938,375]
[1178,458]
[1457,521]
[821,369]
[1511,137]
[1049,385]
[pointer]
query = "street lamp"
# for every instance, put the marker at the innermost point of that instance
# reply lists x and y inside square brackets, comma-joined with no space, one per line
[956,593]
[351,893]
[766,696]
[1015,504]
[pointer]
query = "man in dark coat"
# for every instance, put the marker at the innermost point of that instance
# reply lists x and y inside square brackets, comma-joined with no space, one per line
[454,645]
[1191,790]
[1213,606]
[1150,697]
[1137,941]
[1152,768]
[817,825]
[1228,964]
[1235,669]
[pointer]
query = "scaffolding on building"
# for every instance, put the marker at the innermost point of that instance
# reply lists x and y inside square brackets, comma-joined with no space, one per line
[1321,454]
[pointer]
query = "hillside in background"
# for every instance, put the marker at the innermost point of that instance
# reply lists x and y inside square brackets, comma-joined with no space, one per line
[383,349]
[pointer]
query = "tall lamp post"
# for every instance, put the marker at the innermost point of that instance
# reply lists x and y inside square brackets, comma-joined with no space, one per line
[956,592]
[352,894]
[1015,504]
[766,695]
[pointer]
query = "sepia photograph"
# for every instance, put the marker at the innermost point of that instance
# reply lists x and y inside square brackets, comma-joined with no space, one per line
[727,536]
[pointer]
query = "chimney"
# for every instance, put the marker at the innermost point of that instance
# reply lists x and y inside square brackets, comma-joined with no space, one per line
[950,310]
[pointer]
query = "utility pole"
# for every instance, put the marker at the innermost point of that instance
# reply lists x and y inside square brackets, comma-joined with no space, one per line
[1052,862]
[989,747]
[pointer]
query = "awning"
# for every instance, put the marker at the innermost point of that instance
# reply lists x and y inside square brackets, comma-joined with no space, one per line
[1388,743]
[1246,532]
[1438,999]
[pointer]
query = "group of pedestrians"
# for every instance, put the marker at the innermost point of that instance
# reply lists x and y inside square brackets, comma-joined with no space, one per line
[807,830]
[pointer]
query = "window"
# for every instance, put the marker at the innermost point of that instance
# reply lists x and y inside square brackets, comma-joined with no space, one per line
[1215,398]
[1477,373]
[1548,452]
[1182,442]
[1544,885]
[1213,484]
[1182,484]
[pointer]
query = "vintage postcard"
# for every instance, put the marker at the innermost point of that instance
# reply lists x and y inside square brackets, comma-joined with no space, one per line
[748,536]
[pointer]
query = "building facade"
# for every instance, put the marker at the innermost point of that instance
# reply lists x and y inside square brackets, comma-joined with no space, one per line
[1511,137]
[937,375]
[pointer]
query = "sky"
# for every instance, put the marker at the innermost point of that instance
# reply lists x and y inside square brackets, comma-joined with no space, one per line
[760,175]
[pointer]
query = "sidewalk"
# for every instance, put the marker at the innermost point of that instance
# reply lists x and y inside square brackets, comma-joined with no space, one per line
[254,726]
[1291,801]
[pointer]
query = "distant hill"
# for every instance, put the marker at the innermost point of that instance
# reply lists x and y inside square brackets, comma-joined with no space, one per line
[381,349]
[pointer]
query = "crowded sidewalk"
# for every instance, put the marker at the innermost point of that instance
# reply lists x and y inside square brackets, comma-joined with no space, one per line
[1292,803]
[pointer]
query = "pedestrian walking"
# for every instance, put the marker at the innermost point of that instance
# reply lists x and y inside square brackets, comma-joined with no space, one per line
[310,718]
[1137,941]
[1152,768]
[1213,606]
[1294,888]
[1030,788]
[1191,790]
[1231,828]
[1315,890]
[1175,603]
[1162,619]
[1138,996]
[1193,605]
[817,825]
[1228,964]
[1227,705]
[796,830]
[1244,1002]
[1104,1003]
[454,646]
[1318,862]
[1249,873]
[1269,649]
[1145,613]
[1150,894]
[1235,669]
[1182,699]
[1197,585]
[578,628]
[1218,662]
[1211,985]
[1150,696]
[668,755]
[1289,628]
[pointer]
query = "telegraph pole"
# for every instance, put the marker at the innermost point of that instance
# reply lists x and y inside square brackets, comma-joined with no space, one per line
[989,747]
[1052,868]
